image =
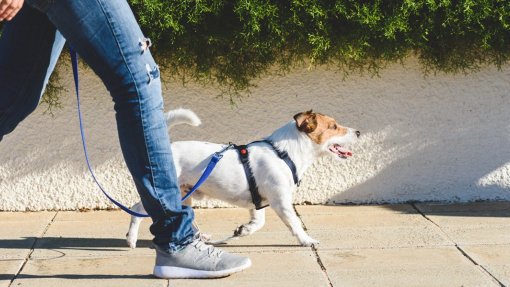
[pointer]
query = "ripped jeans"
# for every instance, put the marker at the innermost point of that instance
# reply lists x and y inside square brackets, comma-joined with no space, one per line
[107,37]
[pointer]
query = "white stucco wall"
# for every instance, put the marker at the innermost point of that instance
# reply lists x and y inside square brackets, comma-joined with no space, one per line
[435,138]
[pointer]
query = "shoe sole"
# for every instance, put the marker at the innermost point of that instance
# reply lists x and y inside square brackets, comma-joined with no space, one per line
[171,272]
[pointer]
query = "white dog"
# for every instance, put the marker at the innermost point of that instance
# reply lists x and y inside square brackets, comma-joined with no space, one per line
[306,138]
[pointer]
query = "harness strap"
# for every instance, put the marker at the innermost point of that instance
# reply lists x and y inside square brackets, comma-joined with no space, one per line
[283,155]
[255,195]
[286,158]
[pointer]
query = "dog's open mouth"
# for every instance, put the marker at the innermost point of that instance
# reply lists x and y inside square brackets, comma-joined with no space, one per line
[340,151]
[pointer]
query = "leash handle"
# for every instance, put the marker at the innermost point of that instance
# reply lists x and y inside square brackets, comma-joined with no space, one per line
[74,60]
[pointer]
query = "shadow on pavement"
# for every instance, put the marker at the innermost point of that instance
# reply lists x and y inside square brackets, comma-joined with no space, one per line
[471,209]
[103,244]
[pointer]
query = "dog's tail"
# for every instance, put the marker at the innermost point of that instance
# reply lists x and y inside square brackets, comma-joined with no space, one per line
[182,116]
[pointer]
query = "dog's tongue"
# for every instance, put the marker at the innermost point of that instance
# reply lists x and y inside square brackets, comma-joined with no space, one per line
[341,150]
[344,151]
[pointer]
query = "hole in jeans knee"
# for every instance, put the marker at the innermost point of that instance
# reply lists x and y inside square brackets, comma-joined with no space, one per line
[152,72]
[144,44]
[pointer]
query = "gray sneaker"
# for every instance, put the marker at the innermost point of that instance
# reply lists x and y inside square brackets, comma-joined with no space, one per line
[198,260]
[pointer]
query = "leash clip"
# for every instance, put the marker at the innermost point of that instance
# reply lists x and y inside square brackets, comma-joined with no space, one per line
[219,154]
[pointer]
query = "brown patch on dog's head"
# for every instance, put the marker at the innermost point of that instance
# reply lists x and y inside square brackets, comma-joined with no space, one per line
[306,121]
[320,128]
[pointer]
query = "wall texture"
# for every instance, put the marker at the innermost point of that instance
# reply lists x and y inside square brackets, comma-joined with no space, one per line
[424,138]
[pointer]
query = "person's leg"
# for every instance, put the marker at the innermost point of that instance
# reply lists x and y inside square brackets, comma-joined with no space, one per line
[25,70]
[106,35]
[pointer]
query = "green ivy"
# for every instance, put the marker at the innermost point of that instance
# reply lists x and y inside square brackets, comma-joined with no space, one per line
[230,43]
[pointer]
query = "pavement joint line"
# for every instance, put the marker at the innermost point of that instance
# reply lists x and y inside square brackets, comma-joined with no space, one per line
[315,252]
[32,248]
[462,251]
[480,266]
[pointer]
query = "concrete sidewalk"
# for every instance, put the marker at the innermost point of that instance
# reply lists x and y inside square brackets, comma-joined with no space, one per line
[386,245]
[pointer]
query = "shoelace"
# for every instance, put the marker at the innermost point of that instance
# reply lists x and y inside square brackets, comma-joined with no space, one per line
[211,250]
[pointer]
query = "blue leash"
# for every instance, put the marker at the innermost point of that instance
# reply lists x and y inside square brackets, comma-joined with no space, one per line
[212,163]
[208,170]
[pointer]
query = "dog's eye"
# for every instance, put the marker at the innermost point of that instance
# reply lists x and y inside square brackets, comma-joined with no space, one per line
[334,127]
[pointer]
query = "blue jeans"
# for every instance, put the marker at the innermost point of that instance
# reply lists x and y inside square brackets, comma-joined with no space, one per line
[106,35]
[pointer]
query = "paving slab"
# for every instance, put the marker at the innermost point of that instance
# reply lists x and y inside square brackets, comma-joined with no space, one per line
[358,227]
[262,242]
[98,216]
[8,269]
[494,258]
[473,235]
[228,219]
[444,266]
[221,223]
[46,216]
[385,245]
[276,269]
[467,224]
[380,238]
[335,217]
[19,230]
[75,234]
[90,271]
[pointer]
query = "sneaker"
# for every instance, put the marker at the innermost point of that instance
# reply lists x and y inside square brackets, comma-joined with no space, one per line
[198,260]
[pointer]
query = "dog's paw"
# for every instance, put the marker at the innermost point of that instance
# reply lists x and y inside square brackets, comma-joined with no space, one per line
[308,242]
[243,230]
[131,240]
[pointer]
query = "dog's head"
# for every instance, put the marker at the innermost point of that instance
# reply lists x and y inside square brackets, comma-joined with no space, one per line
[331,137]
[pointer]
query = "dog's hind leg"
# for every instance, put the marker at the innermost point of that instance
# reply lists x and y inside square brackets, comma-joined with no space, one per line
[257,221]
[132,235]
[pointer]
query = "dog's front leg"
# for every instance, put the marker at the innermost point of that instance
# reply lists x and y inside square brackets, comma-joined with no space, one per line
[257,221]
[289,217]
[132,235]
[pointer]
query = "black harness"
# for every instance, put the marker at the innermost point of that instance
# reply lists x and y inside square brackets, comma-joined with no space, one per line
[243,156]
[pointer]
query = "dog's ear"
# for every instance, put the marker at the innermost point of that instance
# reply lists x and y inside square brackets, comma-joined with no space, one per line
[306,121]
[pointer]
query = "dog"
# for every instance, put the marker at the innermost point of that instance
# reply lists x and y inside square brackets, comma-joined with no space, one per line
[305,138]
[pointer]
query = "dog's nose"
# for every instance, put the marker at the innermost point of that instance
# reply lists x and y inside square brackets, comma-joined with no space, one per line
[358,133]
